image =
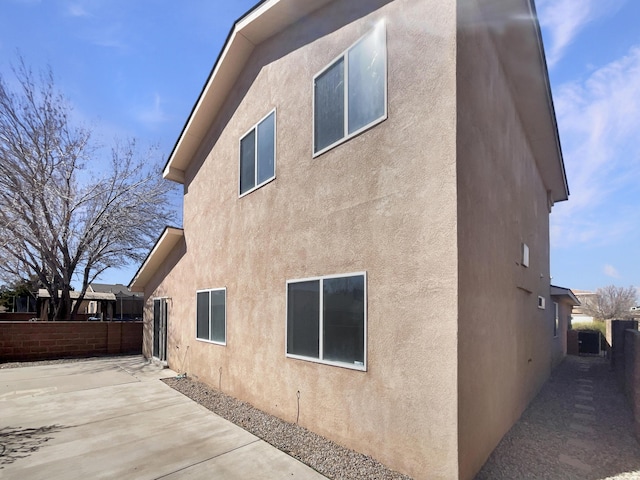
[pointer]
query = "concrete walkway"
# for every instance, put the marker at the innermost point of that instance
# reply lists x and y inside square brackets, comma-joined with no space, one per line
[578,427]
[113,418]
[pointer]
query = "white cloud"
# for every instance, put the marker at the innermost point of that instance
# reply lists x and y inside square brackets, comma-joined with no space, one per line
[77,10]
[599,121]
[610,271]
[110,36]
[565,19]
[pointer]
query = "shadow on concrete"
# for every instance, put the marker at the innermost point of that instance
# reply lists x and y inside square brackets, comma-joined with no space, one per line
[17,442]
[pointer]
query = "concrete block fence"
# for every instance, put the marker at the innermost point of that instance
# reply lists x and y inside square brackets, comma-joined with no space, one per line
[625,361]
[28,341]
[632,373]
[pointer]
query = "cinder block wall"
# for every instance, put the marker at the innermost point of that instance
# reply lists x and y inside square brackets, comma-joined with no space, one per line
[28,341]
[617,352]
[632,373]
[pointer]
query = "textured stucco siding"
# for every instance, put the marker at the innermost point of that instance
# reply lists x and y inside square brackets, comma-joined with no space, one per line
[505,340]
[384,202]
[559,342]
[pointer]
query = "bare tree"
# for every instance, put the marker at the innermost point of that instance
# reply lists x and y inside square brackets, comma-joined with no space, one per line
[60,219]
[611,302]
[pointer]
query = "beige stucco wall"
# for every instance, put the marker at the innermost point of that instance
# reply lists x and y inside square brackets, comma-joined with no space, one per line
[559,342]
[504,339]
[383,202]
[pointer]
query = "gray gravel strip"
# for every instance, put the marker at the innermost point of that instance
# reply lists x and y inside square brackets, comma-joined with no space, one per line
[579,426]
[324,456]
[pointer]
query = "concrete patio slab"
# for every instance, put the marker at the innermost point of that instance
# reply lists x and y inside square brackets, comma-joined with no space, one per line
[113,418]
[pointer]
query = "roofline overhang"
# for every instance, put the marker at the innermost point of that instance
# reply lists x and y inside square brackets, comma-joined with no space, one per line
[75,294]
[265,19]
[563,195]
[515,32]
[565,292]
[164,245]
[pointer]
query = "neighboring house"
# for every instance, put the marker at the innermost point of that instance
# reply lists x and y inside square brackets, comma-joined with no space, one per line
[127,305]
[564,301]
[104,301]
[367,189]
[578,315]
[101,301]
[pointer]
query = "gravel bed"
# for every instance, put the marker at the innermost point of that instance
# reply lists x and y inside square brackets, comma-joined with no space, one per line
[551,442]
[324,456]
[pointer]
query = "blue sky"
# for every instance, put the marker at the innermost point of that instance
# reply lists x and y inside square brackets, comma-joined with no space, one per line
[593,55]
[136,67]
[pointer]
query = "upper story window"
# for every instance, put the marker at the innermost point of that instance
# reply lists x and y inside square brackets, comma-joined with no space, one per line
[211,315]
[326,320]
[350,95]
[258,155]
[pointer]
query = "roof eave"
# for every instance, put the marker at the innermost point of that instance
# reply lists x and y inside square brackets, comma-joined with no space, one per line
[163,246]
[261,22]
[518,41]
[565,292]
[560,194]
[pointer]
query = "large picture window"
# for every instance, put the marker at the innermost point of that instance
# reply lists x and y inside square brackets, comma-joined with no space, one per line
[326,319]
[211,315]
[258,155]
[350,95]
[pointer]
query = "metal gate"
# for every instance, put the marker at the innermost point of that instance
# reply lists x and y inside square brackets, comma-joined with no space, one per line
[589,343]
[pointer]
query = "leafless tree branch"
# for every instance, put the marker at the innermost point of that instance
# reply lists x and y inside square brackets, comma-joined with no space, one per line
[58,218]
[611,302]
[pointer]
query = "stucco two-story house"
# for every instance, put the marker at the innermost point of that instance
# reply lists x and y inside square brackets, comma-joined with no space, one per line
[367,190]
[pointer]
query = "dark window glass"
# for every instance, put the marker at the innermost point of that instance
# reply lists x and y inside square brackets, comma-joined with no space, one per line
[217,316]
[266,150]
[343,319]
[248,162]
[329,106]
[156,328]
[303,319]
[202,308]
[366,80]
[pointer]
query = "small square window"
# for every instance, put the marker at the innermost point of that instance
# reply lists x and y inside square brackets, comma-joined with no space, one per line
[541,303]
[258,155]
[211,315]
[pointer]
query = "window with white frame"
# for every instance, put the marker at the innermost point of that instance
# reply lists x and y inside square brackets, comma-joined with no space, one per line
[556,320]
[211,315]
[326,319]
[258,154]
[350,95]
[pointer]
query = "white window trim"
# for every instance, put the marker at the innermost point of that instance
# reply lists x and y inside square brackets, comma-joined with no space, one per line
[556,319]
[541,303]
[351,366]
[204,340]
[525,255]
[255,160]
[344,55]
